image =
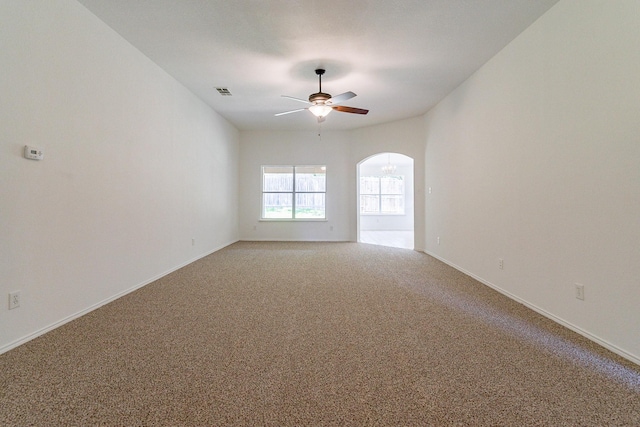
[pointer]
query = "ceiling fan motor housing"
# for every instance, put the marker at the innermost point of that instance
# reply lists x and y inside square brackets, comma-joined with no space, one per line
[319,98]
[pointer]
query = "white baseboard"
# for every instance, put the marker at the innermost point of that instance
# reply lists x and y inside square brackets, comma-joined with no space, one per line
[533,307]
[617,350]
[293,240]
[89,309]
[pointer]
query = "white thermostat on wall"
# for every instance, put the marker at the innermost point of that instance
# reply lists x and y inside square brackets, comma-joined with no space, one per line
[33,153]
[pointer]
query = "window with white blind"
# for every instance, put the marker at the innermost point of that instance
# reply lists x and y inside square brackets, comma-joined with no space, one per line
[294,192]
[382,195]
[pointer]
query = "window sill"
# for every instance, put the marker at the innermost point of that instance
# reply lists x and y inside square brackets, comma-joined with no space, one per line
[293,220]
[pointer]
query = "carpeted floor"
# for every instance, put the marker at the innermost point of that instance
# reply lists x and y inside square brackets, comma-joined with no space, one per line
[316,334]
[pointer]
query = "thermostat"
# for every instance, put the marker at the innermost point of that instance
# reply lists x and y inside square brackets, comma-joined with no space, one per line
[33,153]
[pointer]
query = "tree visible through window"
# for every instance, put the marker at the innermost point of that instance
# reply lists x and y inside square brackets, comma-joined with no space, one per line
[382,195]
[293,192]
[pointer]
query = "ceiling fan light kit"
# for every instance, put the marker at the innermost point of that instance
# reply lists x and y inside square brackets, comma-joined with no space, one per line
[323,103]
[320,110]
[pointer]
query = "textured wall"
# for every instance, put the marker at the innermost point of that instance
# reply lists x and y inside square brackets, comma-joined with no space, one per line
[536,160]
[135,167]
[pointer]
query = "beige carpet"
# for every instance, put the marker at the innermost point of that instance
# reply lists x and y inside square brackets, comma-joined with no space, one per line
[316,334]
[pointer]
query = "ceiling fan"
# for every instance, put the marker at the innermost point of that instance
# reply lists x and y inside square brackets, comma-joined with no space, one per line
[323,103]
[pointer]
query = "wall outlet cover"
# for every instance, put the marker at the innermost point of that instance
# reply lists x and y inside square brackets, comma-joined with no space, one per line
[14,300]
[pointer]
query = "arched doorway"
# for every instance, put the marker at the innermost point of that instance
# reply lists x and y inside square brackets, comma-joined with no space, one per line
[385,200]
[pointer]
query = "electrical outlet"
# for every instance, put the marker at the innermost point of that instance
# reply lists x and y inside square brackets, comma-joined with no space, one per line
[193,242]
[500,263]
[14,300]
[580,291]
[438,239]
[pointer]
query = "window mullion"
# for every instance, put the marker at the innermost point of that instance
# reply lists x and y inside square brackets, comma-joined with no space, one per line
[379,195]
[293,195]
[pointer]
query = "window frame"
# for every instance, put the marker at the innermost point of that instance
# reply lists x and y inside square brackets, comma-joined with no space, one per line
[379,195]
[293,193]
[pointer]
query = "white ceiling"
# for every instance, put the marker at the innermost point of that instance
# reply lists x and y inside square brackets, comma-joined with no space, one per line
[399,56]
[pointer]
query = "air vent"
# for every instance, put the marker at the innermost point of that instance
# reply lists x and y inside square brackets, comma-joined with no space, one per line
[223,91]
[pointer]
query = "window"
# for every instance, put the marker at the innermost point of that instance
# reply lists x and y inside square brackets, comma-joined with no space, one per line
[293,192]
[382,195]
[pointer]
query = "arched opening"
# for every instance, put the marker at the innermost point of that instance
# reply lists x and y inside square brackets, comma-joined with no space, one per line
[385,200]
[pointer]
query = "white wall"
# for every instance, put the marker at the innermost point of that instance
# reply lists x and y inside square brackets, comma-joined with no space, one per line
[536,160]
[258,148]
[340,151]
[135,166]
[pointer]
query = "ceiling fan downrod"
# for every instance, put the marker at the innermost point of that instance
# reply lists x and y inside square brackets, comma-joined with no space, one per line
[319,72]
[319,97]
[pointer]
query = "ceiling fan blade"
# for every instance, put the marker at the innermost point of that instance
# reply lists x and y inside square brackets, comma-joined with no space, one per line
[292,111]
[296,99]
[350,109]
[340,98]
